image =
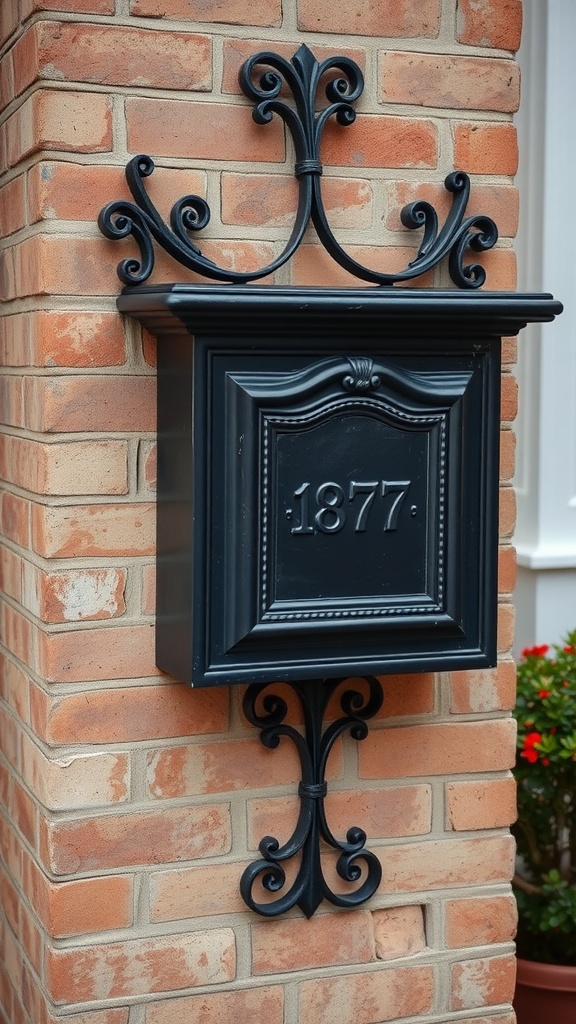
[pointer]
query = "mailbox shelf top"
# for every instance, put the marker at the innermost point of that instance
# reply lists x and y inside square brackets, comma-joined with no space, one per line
[497,312]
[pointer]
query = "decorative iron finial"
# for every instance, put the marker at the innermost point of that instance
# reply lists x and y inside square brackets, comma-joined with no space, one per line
[302,75]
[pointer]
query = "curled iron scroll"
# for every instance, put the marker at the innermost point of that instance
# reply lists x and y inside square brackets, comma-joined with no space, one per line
[262,78]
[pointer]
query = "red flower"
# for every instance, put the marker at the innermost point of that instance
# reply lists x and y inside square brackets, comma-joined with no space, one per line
[543,693]
[538,651]
[570,649]
[546,760]
[530,740]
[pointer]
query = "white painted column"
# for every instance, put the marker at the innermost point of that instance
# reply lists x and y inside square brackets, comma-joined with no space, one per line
[546,427]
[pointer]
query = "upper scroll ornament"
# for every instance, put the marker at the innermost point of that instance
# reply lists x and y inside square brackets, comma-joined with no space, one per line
[262,79]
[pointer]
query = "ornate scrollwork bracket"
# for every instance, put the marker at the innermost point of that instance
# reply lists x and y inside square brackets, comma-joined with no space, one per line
[310,887]
[262,78]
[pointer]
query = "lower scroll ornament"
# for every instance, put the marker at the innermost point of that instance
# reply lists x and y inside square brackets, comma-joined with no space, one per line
[310,887]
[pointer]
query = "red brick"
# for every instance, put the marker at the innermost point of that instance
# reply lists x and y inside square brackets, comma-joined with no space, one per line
[24,813]
[66,191]
[94,403]
[480,921]
[378,140]
[141,966]
[10,743]
[507,454]
[121,652]
[496,23]
[370,18]
[434,80]
[100,1017]
[18,634]
[410,694]
[250,1006]
[77,339]
[229,12]
[505,628]
[148,470]
[15,340]
[483,982]
[438,863]
[132,713]
[483,690]
[509,398]
[384,813]
[509,352]
[325,940]
[74,122]
[222,131]
[220,767]
[481,804]
[82,906]
[486,148]
[507,511]
[11,401]
[74,594]
[63,468]
[236,51]
[399,932]
[437,749]
[79,530]
[497,201]
[272,199]
[122,840]
[73,7]
[197,891]
[148,596]
[383,995]
[506,570]
[12,209]
[312,265]
[72,52]
[14,688]
[15,518]
[10,573]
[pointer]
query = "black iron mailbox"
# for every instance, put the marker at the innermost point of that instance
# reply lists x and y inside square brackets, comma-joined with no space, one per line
[328,478]
[327,465]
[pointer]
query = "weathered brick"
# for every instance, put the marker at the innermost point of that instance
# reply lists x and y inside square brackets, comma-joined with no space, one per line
[222,131]
[436,864]
[370,18]
[507,454]
[73,594]
[383,995]
[486,148]
[12,208]
[82,906]
[480,921]
[141,966]
[122,840]
[490,23]
[76,781]
[434,80]
[229,12]
[505,628]
[506,569]
[483,690]
[15,518]
[74,122]
[77,339]
[380,140]
[236,51]
[497,201]
[71,531]
[437,749]
[251,1006]
[64,468]
[481,804]
[129,714]
[482,982]
[72,52]
[198,891]
[113,652]
[325,940]
[509,398]
[507,511]
[94,403]
[399,932]
[272,199]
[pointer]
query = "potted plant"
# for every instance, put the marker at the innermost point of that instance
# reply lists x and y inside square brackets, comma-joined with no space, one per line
[545,883]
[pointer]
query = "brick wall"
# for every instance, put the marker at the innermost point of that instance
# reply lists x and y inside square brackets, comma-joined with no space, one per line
[131,804]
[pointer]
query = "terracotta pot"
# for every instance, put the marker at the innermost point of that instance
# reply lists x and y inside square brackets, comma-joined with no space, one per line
[545,993]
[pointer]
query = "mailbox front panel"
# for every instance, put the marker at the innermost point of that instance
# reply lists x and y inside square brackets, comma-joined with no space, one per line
[334,509]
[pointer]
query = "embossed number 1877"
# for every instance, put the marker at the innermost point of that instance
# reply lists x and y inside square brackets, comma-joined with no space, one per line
[331,511]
